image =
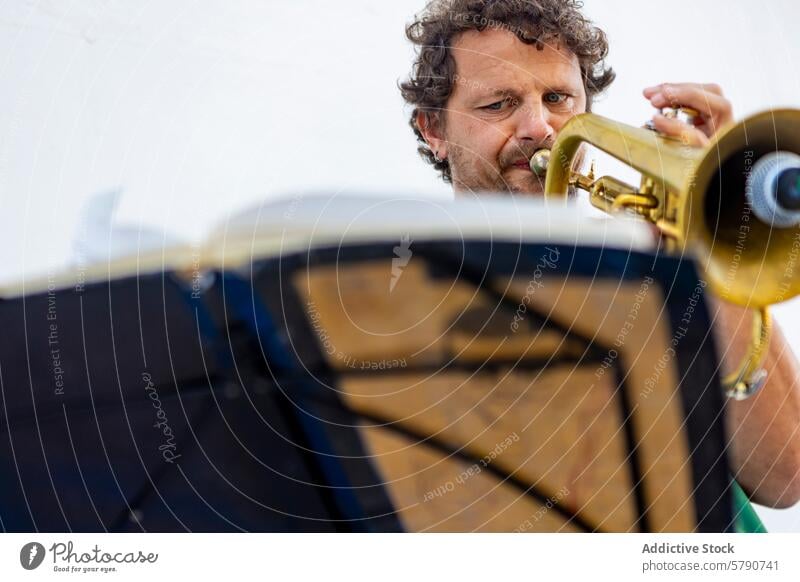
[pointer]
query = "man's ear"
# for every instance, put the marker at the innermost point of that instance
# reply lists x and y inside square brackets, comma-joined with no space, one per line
[430,126]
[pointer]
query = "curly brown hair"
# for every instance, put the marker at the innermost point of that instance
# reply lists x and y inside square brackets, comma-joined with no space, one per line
[533,21]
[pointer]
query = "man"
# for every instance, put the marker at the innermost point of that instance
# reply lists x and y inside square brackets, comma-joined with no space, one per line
[493,82]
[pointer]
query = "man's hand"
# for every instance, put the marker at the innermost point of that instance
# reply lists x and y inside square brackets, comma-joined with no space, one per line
[706,98]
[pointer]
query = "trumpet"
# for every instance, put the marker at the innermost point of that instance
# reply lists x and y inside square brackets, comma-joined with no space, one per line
[734,205]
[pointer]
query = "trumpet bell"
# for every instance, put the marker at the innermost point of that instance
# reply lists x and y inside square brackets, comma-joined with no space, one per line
[749,251]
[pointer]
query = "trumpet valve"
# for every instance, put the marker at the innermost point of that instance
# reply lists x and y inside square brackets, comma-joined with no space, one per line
[687,115]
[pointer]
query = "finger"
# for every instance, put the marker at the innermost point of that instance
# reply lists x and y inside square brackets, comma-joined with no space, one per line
[677,129]
[710,87]
[714,111]
[710,105]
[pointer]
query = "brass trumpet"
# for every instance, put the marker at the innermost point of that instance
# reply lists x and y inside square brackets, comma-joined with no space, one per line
[734,205]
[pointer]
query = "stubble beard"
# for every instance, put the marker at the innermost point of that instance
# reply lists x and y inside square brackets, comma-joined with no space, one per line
[468,180]
[471,176]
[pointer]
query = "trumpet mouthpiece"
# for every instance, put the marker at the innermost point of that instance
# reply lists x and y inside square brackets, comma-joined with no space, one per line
[539,162]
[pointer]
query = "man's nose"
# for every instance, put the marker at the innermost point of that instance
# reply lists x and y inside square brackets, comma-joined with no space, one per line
[534,124]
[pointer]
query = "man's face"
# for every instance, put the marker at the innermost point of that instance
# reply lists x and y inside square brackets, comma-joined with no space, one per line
[509,100]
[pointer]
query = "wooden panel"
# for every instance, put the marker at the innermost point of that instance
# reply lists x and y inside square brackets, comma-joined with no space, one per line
[563,430]
[630,318]
[573,376]
[360,319]
[437,493]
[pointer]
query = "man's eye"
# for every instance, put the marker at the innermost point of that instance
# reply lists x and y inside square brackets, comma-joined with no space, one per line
[555,98]
[497,106]
[501,105]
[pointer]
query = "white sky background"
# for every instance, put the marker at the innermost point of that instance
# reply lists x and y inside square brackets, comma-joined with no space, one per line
[200,108]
